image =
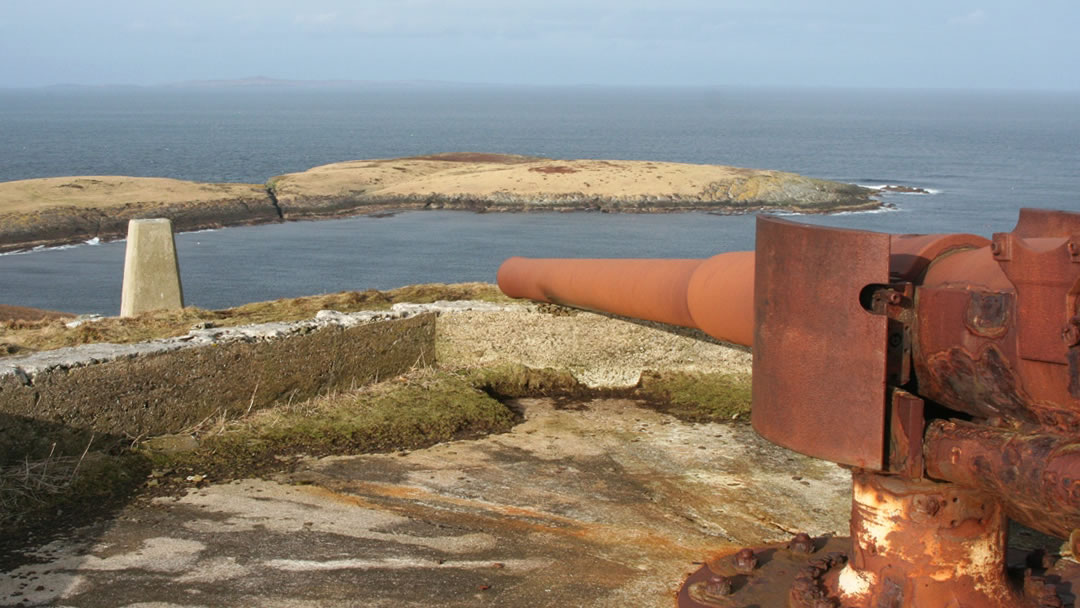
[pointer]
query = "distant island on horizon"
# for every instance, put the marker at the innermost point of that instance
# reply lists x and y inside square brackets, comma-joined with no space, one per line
[261,82]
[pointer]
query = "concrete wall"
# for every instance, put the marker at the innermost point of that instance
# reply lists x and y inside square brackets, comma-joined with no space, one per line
[181,383]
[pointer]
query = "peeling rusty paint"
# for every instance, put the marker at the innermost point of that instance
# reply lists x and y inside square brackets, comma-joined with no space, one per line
[985,387]
[1036,477]
[1074,371]
[952,550]
[989,314]
[906,424]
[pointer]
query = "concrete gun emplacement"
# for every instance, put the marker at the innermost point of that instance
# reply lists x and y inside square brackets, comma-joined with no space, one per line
[943,370]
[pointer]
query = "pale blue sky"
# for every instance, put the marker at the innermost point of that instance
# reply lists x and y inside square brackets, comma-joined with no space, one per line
[858,43]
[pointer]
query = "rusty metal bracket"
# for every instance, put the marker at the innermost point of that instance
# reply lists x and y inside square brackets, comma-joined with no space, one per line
[819,355]
[1038,258]
[906,426]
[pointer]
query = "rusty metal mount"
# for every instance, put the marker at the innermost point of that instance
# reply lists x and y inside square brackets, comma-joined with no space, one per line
[787,575]
[767,580]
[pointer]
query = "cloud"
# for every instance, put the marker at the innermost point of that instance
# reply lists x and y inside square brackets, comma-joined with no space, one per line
[316,18]
[975,17]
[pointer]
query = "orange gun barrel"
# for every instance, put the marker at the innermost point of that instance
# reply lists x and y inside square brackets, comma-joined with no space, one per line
[715,295]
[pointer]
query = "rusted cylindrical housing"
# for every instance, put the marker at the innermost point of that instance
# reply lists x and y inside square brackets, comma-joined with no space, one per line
[715,295]
[1035,476]
[990,326]
[920,543]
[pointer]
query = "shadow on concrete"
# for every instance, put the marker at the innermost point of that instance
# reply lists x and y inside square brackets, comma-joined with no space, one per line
[55,478]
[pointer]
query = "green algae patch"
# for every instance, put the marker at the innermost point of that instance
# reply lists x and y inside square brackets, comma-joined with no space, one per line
[698,397]
[413,411]
[20,336]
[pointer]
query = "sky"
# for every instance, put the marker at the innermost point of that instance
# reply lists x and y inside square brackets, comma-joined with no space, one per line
[979,44]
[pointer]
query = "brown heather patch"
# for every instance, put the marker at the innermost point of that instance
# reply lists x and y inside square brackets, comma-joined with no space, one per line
[23,313]
[479,157]
[554,169]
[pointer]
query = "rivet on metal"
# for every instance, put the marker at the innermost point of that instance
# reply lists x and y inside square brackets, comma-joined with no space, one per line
[802,543]
[928,505]
[1071,332]
[745,561]
[718,586]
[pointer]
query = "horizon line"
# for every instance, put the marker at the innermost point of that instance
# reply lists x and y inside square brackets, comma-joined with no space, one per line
[264,82]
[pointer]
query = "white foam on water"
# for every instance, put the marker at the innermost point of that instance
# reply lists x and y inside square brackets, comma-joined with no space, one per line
[40,248]
[883,209]
[880,187]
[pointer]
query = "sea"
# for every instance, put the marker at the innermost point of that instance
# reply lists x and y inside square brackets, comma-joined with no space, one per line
[980,155]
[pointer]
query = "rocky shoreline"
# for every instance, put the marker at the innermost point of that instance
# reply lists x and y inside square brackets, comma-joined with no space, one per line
[68,210]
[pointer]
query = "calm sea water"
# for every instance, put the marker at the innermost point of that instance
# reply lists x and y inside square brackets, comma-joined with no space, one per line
[984,154]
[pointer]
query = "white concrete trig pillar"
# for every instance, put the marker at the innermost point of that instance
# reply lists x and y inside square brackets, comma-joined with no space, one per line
[151,269]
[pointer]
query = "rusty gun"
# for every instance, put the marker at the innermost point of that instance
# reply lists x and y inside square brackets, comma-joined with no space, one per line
[943,370]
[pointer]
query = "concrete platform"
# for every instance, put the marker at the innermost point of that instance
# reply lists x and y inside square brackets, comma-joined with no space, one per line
[599,503]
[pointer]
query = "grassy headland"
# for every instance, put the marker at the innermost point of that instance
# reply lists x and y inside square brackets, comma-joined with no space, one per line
[62,210]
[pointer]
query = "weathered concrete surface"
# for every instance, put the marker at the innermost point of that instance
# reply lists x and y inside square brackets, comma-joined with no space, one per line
[601,503]
[598,350]
[151,269]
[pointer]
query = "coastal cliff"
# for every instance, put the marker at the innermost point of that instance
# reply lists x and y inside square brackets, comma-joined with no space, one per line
[62,210]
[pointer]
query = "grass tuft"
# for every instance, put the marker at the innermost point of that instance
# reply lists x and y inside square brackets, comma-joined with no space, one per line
[698,397]
[416,410]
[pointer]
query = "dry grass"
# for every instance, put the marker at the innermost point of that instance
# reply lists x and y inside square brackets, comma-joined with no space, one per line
[14,313]
[456,175]
[116,191]
[21,336]
[36,491]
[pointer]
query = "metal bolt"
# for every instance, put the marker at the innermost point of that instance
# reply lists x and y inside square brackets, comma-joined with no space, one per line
[745,561]
[1040,559]
[717,586]
[1044,594]
[802,543]
[995,247]
[1074,249]
[928,505]
[1071,332]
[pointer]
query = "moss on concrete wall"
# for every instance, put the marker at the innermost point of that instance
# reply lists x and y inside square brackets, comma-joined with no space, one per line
[166,392]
